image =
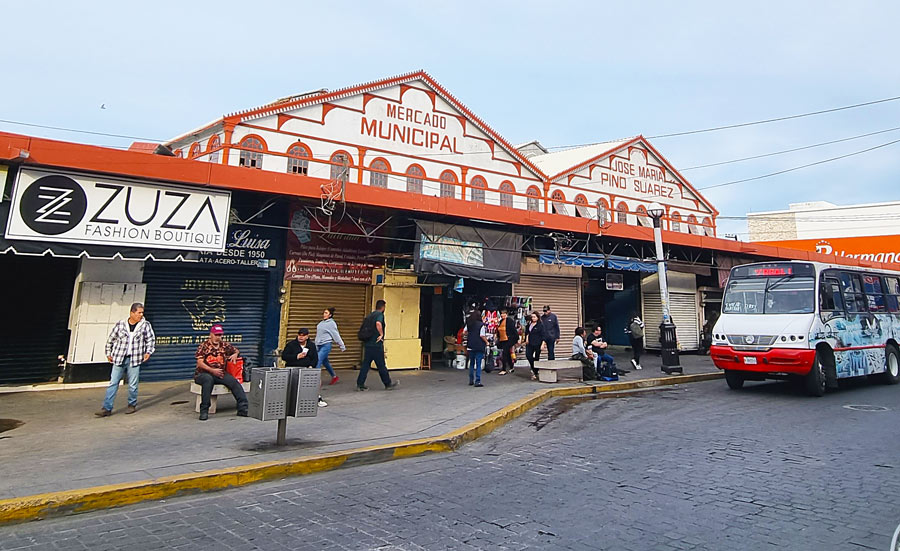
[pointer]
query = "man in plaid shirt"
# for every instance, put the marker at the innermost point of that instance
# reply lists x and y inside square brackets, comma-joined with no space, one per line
[130,343]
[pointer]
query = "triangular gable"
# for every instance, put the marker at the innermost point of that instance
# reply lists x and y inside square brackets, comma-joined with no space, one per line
[418,80]
[634,163]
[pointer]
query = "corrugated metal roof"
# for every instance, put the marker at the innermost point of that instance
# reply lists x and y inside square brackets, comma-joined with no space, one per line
[554,163]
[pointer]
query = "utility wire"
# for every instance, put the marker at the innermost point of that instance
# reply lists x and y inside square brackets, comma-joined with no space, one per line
[799,167]
[783,151]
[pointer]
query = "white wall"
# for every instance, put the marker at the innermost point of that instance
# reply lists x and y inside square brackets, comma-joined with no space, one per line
[820,220]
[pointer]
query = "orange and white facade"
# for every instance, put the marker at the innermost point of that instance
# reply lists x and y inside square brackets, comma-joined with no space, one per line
[409,134]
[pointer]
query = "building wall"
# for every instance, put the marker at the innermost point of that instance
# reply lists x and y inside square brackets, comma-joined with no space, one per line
[818,220]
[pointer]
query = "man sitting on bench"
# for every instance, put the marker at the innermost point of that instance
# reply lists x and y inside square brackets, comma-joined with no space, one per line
[211,357]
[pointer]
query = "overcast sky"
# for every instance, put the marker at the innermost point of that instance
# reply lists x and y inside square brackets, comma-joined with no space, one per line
[560,72]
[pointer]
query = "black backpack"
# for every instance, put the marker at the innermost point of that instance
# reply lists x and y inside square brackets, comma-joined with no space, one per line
[367,329]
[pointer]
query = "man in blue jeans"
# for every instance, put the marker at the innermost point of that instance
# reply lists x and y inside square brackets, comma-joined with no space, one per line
[373,351]
[130,343]
[476,345]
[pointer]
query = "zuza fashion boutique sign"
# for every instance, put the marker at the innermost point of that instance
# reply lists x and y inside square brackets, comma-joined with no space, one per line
[75,208]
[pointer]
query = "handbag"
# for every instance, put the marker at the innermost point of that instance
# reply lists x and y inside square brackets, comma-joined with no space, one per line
[236,369]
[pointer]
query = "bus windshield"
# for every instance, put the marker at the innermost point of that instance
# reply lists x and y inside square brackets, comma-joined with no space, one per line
[770,295]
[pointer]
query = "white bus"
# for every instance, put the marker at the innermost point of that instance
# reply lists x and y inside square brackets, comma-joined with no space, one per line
[809,320]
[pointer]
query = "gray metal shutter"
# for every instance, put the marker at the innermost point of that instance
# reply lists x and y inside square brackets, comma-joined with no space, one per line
[309,300]
[563,294]
[36,293]
[683,309]
[184,301]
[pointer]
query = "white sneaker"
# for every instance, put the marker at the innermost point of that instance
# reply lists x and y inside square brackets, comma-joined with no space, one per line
[322,403]
[635,364]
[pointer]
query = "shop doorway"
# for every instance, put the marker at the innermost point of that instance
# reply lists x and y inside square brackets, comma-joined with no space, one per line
[611,301]
[36,293]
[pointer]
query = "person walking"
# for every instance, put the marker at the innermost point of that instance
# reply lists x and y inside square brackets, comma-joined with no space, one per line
[635,331]
[507,337]
[476,345]
[534,338]
[551,330]
[302,353]
[130,344]
[372,335]
[326,337]
[210,371]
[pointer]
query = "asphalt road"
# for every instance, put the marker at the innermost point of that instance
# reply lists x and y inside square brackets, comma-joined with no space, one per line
[693,467]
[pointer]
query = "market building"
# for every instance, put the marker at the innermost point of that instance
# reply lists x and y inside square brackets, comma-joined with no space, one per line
[392,189]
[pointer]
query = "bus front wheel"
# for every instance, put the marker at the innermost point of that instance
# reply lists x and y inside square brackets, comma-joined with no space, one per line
[735,379]
[892,365]
[815,379]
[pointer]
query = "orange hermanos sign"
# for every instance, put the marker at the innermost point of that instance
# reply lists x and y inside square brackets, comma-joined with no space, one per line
[875,248]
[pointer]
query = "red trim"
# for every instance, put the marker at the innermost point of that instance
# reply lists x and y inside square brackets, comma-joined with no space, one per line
[383,160]
[265,146]
[797,361]
[846,348]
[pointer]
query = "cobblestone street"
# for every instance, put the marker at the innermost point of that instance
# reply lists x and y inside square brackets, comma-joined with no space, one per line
[691,467]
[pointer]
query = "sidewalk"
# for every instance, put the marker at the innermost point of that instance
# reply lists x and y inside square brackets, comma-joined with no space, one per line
[60,445]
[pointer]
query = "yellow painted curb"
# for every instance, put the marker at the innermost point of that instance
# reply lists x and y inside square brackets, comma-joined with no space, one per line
[115,495]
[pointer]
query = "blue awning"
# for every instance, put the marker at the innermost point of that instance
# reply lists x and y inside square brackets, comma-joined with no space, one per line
[593,260]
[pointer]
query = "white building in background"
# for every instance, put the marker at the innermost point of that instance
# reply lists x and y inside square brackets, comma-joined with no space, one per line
[867,231]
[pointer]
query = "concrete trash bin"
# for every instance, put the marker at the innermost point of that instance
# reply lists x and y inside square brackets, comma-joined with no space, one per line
[303,394]
[268,393]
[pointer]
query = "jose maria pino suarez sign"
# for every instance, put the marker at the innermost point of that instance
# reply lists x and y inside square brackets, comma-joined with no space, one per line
[98,210]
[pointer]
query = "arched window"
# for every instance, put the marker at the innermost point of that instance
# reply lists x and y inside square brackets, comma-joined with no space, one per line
[378,173]
[707,227]
[213,146]
[448,184]
[478,186]
[643,218]
[558,200]
[581,206]
[179,153]
[692,225]
[602,211]
[195,150]
[506,193]
[414,175]
[622,213]
[251,152]
[534,203]
[340,167]
[675,222]
[298,159]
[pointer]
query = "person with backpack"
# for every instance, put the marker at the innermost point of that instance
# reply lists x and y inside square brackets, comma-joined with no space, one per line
[580,352]
[371,332]
[476,345]
[635,332]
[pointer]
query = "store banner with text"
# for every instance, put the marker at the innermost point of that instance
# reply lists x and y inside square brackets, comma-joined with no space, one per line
[248,246]
[53,206]
[320,250]
[466,251]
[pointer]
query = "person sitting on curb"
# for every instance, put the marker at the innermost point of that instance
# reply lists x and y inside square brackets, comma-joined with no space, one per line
[301,352]
[211,358]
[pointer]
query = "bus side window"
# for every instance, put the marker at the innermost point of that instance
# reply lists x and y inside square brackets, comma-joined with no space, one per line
[830,296]
[892,296]
[854,299]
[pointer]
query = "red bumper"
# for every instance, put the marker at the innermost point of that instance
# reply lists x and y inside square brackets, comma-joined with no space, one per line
[776,360]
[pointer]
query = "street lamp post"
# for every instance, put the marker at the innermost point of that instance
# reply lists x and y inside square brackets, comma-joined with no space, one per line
[668,341]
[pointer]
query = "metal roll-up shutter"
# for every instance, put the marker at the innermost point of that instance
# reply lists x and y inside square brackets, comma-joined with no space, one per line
[184,301]
[36,294]
[563,294]
[683,309]
[309,300]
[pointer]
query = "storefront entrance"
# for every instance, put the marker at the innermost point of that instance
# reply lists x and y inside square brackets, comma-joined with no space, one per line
[307,301]
[36,293]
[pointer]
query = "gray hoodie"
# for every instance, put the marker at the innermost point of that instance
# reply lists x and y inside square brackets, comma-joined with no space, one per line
[327,332]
